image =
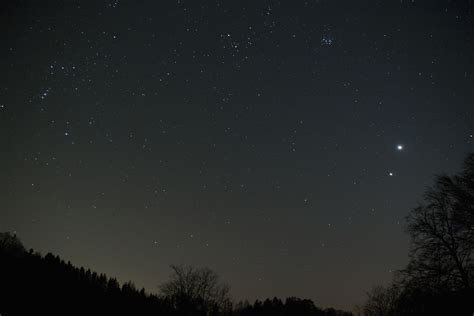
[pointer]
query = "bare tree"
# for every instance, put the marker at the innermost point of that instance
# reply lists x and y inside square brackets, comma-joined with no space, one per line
[442,232]
[382,301]
[198,289]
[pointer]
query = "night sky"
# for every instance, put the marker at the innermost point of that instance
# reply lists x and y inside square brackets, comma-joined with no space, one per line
[280,143]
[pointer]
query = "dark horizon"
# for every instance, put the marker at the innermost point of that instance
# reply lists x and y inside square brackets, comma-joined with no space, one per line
[281,144]
[45,279]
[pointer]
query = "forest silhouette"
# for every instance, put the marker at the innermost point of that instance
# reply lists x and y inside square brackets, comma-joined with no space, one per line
[32,284]
[438,279]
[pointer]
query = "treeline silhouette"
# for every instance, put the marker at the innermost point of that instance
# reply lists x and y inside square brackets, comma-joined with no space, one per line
[291,306]
[32,284]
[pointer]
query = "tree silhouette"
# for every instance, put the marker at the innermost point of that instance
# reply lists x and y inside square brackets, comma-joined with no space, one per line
[196,291]
[382,301]
[442,233]
[10,244]
[438,279]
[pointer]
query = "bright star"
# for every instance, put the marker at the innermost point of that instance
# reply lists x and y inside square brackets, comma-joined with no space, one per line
[399,147]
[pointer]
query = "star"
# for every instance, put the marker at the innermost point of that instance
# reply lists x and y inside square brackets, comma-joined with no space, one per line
[390,174]
[399,147]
